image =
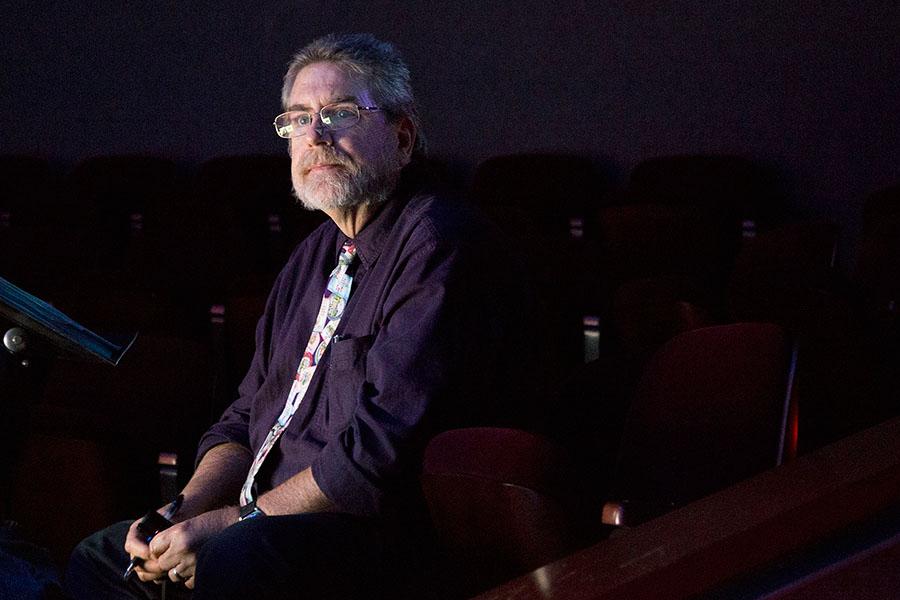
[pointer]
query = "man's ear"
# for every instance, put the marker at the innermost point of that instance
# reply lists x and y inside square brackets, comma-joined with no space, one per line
[406,139]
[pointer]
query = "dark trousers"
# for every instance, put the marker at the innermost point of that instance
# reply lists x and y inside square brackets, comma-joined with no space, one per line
[298,556]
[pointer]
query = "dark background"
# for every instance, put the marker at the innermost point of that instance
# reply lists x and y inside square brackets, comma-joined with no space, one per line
[809,90]
[810,93]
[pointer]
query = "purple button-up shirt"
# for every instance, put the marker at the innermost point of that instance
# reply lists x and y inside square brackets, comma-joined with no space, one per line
[426,342]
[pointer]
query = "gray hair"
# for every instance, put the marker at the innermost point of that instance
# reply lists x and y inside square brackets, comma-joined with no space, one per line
[378,63]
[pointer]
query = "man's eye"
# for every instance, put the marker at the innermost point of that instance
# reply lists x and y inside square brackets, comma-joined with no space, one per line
[304,120]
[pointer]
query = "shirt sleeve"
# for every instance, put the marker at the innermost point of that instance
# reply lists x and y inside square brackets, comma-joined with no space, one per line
[408,366]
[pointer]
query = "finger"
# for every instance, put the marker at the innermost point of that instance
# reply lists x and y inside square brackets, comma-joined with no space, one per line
[185,569]
[175,576]
[173,548]
[145,575]
[132,529]
[134,544]
[159,544]
[174,556]
[151,568]
[189,582]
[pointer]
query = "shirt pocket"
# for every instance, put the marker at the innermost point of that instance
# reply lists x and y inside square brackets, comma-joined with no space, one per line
[344,380]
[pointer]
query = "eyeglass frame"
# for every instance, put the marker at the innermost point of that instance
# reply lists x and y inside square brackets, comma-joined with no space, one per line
[324,126]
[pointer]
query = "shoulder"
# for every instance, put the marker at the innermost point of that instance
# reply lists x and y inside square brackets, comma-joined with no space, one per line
[443,219]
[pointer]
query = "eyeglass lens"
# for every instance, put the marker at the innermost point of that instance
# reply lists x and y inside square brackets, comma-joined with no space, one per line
[334,116]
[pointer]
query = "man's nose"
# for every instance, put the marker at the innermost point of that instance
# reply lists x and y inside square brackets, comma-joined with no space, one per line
[317,132]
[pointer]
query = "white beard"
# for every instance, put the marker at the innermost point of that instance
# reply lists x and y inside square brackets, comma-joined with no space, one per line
[346,186]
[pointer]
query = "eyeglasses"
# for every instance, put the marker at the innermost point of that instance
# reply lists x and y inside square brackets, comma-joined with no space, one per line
[333,117]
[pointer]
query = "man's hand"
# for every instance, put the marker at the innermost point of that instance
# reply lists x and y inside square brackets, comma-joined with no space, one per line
[173,552]
[137,547]
[216,481]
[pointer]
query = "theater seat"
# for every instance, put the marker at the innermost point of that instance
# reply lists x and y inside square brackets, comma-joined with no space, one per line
[713,406]
[731,187]
[503,502]
[545,204]
[648,312]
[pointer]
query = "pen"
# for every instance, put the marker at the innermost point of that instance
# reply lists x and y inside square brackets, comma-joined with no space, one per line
[134,562]
[167,516]
[173,508]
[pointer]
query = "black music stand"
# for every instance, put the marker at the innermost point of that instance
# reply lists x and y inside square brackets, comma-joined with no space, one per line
[38,327]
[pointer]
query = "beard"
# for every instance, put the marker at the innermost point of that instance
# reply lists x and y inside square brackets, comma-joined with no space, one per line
[348,185]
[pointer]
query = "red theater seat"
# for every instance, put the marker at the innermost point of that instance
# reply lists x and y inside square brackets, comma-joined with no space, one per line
[713,407]
[503,502]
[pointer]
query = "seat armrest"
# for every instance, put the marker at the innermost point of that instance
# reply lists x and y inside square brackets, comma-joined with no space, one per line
[614,514]
[168,476]
[627,513]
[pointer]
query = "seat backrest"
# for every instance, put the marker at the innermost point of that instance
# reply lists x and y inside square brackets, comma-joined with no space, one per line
[546,184]
[650,311]
[786,275]
[499,500]
[645,240]
[250,221]
[158,395]
[878,262]
[241,316]
[139,226]
[712,408]
[881,204]
[731,186]
[128,194]
[544,203]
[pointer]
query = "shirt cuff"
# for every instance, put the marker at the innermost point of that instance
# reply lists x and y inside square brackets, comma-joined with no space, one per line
[341,480]
[215,437]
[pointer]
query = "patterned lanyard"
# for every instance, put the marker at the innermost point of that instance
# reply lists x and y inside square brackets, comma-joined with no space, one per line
[337,292]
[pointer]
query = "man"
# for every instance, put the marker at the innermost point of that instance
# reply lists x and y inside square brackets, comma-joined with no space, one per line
[405,315]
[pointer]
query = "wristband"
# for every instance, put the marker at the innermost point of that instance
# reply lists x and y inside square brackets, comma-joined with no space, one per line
[250,511]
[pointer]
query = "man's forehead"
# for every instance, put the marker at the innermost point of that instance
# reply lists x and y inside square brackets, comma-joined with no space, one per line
[321,83]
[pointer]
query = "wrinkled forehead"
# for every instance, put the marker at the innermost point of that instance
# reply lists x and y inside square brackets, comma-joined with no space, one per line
[322,83]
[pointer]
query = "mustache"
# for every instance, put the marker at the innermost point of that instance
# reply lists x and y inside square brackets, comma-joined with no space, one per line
[324,156]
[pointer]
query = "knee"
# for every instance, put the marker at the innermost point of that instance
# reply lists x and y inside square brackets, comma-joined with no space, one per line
[96,560]
[225,547]
[80,560]
[270,557]
[82,552]
[230,564]
[80,571]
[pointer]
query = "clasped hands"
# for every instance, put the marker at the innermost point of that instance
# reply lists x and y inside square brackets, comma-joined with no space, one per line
[173,552]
